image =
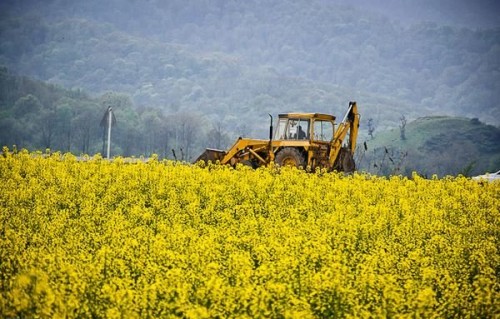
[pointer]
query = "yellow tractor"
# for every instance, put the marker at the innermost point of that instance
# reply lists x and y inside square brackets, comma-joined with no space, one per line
[307,140]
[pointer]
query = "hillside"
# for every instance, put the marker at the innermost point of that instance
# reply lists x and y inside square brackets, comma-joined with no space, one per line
[246,59]
[37,115]
[434,145]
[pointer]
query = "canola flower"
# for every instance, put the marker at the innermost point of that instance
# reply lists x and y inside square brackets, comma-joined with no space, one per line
[110,239]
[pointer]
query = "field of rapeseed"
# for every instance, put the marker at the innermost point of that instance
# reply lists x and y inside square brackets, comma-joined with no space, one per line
[100,239]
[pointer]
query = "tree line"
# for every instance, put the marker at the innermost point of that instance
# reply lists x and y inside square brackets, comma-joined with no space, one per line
[36,115]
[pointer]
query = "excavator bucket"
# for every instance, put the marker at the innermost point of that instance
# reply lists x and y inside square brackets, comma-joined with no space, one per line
[212,155]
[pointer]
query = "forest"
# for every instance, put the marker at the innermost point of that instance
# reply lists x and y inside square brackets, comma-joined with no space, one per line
[37,115]
[194,74]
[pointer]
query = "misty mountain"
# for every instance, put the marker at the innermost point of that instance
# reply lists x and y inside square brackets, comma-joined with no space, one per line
[234,62]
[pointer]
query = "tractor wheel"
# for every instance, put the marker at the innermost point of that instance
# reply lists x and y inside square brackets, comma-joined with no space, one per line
[345,161]
[290,156]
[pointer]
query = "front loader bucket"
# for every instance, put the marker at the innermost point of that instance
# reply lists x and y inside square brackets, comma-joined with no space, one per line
[212,155]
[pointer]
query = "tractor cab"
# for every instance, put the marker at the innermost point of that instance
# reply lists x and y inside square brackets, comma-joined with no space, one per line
[293,128]
[305,126]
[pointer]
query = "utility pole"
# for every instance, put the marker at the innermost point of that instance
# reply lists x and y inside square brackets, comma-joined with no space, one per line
[108,120]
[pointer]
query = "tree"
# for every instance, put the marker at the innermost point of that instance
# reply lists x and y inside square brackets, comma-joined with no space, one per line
[65,130]
[47,123]
[86,125]
[25,114]
[155,132]
[186,130]
[217,137]
[402,127]
[25,105]
[371,127]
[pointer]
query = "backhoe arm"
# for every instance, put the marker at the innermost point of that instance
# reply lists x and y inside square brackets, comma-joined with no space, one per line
[350,124]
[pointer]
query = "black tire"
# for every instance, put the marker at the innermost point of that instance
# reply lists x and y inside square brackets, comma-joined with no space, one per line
[290,156]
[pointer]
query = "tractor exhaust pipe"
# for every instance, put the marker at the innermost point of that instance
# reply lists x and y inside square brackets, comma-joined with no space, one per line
[271,128]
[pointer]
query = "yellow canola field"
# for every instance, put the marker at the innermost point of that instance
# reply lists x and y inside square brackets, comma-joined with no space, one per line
[98,239]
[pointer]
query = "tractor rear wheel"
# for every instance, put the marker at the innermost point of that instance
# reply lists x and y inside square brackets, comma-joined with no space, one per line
[290,156]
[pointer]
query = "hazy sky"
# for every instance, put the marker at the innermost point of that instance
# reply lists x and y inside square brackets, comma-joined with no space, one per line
[468,13]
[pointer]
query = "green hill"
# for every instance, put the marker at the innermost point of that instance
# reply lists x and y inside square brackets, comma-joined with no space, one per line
[434,145]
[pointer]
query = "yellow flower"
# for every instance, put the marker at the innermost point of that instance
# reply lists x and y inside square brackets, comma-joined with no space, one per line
[160,239]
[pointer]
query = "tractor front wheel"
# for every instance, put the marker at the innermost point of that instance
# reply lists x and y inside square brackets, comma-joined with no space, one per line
[290,156]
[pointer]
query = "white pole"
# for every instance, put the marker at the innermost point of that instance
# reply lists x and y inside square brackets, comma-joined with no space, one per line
[110,114]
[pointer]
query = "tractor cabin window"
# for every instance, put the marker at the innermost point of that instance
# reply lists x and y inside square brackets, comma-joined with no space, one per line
[293,129]
[323,130]
[281,131]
